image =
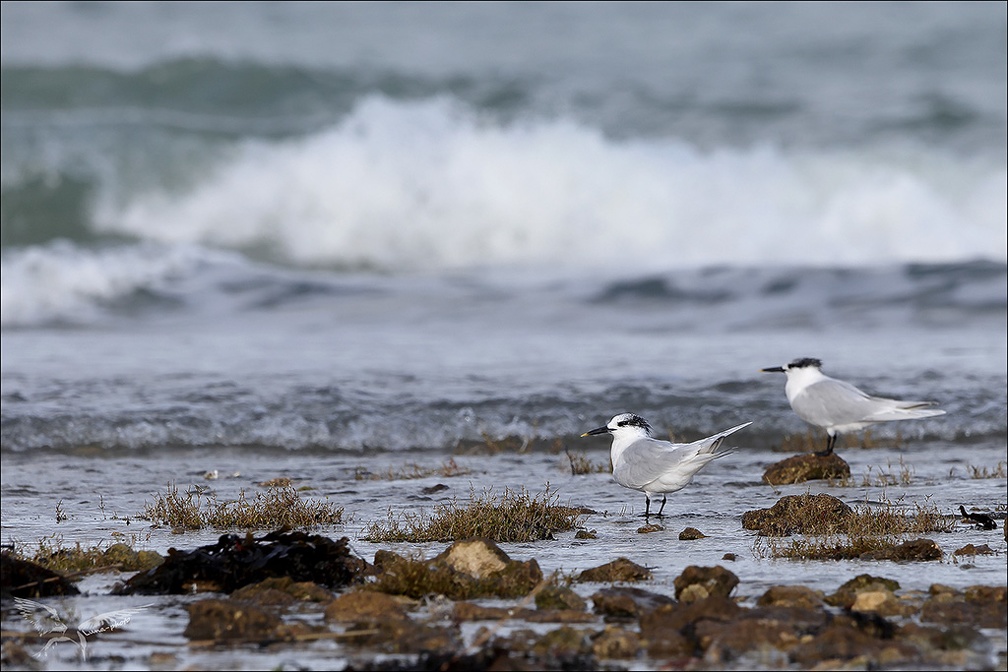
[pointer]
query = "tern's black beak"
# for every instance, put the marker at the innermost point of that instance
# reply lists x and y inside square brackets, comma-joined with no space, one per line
[773,369]
[597,430]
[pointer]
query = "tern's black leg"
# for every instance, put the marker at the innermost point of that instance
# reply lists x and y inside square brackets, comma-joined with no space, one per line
[662,506]
[647,507]
[830,442]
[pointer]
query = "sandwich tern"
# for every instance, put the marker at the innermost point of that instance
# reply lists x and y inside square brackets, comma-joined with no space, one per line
[838,406]
[652,466]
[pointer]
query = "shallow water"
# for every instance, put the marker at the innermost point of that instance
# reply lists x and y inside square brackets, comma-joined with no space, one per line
[102,497]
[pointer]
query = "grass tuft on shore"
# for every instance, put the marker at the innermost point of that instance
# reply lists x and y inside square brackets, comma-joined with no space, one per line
[514,516]
[77,559]
[864,530]
[276,507]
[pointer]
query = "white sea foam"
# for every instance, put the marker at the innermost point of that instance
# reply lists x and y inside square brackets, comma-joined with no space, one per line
[61,281]
[429,186]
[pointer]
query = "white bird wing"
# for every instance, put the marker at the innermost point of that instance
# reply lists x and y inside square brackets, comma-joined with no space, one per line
[43,618]
[647,460]
[109,621]
[832,402]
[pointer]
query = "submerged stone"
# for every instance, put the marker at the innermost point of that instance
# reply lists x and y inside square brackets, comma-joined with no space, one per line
[620,569]
[23,578]
[801,468]
[699,583]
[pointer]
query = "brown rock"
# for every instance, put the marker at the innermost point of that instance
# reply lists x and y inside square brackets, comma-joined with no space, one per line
[627,602]
[559,597]
[757,630]
[220,620]
[697,583]
[979,606]
[616,643]
[649,528]
[918,549]
[365,605]
[405,636]
[843,641]
[668,630]
[805,514]
[881,602]
[564,643]
[970,549]
[791,596]
[619,569]
[848,592]
[586,534]
[476,557]
[809,467]
[691,534]
[282,591]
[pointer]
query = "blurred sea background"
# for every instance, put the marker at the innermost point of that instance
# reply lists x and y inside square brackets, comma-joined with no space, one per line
[350,226]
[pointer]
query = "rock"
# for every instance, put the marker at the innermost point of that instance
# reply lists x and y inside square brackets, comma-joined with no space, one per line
[234,562]
[731,557]
[691,534]
[846,594]
[809,467]
[559,597]
[405,636]
[586,534]
[625,602]
[882,602]
[365,605]
[619,569]
[476,557]
[282,590]
[801,597]
[465,570]
[805,514]
[667,630]
[980,606]
[698,583]
[649,528]
[919,549]
[467,611]
[563,643]
[22,578]
[220,620]
[843,641]
[970,549]
[759,630]
[616,643]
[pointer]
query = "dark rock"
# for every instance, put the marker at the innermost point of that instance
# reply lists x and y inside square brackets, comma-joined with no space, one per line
[918,549]
[282,590]
[234,562]
[699,583]
[404,636]
[844,640]
[759,629]
[586,534]
[619,569]
[627,602]
[649,528]
[805,514]
[22,578]
[434,488]
[731,557]
[691,534]
[801,468]
[669,631]
[980,606]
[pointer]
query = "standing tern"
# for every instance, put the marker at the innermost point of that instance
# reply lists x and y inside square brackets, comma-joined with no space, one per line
[838,406]
[652,466]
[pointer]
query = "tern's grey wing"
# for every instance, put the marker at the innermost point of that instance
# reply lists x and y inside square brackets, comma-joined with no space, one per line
[646,460]
[832,402]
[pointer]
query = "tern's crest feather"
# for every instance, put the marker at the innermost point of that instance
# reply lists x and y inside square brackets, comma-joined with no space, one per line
[805,362]
[630,420]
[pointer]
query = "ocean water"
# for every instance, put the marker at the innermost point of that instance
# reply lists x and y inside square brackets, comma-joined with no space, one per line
[300,238]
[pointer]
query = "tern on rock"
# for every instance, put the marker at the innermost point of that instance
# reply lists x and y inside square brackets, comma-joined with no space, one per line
[838,406]
[652,466]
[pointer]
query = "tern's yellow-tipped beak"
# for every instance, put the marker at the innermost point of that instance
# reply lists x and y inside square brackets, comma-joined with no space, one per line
[597,430]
